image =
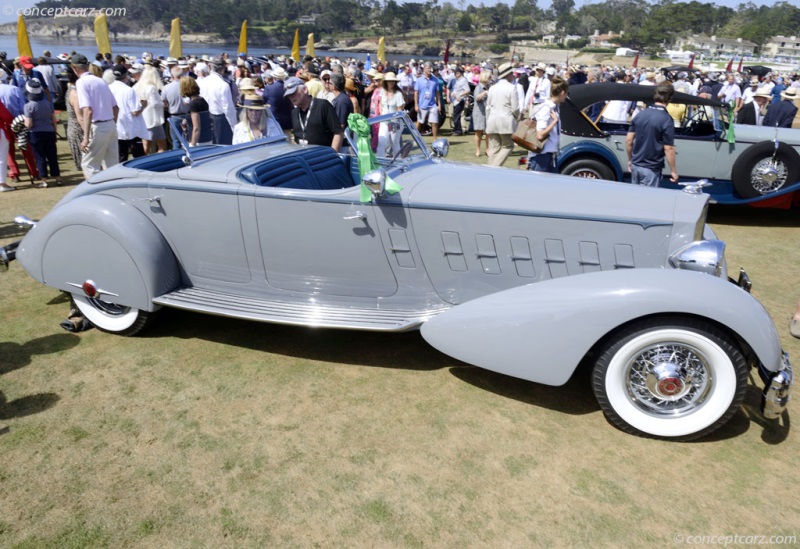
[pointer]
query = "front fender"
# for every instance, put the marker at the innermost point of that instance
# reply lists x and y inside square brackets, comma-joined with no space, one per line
[540,332]
[589,149]
[103,239]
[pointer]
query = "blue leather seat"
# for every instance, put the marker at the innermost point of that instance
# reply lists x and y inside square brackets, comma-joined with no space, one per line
[314,168]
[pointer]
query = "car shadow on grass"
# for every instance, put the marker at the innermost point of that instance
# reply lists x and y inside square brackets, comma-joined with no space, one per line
[405,350]
[574,397]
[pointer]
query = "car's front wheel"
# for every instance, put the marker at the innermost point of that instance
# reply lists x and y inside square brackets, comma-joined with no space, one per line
[674,378]
[110,317]
[762,169]
[588,168]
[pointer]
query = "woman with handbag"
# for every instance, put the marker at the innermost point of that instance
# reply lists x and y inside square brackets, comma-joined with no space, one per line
[548,126]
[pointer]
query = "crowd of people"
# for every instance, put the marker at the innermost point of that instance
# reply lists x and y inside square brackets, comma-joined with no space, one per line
[119,107]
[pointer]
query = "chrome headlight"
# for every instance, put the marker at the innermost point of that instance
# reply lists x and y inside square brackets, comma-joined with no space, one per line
[704,256]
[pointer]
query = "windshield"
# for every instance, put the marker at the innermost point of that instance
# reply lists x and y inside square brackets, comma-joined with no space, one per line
[394,136]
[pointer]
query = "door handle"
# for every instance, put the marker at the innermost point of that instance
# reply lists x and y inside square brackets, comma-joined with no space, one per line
[357,215]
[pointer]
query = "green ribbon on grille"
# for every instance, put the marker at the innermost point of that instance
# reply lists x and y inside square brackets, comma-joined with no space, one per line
[366,158]
[731,136]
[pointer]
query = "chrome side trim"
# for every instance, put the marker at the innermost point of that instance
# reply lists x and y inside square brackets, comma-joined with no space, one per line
[778,391]
[297,314]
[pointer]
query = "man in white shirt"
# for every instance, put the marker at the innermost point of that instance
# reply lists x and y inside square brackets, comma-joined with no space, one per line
[99,109]
[538,88]
[731,93]
[130,124]
[217,93]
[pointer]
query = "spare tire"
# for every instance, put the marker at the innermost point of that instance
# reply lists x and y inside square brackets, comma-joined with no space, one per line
[589,168]
[756,173]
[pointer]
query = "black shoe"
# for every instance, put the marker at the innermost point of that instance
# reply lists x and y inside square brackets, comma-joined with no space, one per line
[457,133]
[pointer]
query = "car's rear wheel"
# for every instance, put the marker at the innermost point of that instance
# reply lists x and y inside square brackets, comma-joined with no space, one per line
[762,170]
[674,378]
[589,168]
[110,317]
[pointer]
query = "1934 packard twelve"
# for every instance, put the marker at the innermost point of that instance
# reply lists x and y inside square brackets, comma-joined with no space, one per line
[522,273]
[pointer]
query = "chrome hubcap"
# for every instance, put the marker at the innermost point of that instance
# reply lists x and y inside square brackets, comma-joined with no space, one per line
[586,174]
[768,175]
[668,379]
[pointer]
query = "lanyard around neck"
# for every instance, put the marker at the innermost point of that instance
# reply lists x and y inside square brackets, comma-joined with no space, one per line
[308,113]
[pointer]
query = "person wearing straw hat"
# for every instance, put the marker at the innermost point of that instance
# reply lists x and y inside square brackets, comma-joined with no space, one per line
[753,113]
[782,113]
[502,109]
[41,123]
[391,100]
[252,120]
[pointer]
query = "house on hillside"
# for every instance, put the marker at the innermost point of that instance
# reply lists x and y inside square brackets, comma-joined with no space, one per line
[715,46]
[598,40]
[309,19]
[783,46]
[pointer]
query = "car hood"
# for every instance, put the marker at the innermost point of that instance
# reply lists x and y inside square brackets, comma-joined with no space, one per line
[466,187]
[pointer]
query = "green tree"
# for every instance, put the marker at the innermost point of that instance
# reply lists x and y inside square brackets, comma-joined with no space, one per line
[465,23]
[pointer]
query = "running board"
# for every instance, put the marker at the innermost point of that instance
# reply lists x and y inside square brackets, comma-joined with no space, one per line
[298,314]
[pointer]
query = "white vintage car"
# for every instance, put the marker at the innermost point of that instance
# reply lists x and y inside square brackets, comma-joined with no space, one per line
[522,273]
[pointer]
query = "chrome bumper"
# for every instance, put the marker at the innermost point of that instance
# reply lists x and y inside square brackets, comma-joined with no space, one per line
[8,254]
[778,390]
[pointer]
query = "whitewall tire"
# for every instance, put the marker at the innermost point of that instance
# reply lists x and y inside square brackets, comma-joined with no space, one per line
[670,378]
[112,318]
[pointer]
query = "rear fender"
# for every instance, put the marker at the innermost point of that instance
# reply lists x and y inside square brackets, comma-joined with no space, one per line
[540,332]
[589,149]
[106,240]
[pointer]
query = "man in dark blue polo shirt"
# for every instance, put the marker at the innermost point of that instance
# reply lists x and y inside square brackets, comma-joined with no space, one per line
[651,138]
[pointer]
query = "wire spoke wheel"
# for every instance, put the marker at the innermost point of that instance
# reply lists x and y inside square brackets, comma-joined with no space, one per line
[769,175]
[675,378]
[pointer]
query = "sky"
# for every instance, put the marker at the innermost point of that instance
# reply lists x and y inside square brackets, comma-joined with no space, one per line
[8,8]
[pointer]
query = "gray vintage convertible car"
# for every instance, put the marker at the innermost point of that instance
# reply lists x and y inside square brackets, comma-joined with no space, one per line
[761,165]
[522,273]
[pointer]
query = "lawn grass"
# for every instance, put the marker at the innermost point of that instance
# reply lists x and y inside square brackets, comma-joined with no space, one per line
[209,431]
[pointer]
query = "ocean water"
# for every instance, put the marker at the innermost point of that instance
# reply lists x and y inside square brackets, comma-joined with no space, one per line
[8,44]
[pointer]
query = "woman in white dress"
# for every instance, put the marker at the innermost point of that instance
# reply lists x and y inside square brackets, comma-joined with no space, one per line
[148,90]
[391,101]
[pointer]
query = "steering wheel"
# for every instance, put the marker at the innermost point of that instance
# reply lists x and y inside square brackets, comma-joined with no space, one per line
[403,152]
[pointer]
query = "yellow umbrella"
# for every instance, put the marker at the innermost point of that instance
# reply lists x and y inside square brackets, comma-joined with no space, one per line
[243,38]
[296,46]
[310,45]
[101,34]
[23,44]
[381,50]
[175,45]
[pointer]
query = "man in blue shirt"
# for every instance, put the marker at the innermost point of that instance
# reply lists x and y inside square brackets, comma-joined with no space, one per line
[651,138]
[426,100]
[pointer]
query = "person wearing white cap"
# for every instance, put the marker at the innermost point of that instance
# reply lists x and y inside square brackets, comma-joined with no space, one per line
[538,88]
[502,110]
[99,111]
